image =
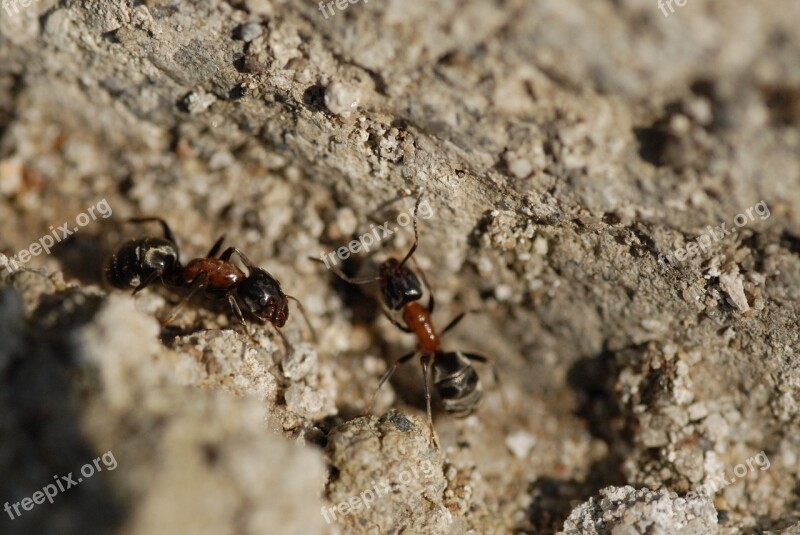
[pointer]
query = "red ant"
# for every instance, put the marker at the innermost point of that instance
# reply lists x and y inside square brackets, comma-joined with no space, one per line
[454,377]
[142,261]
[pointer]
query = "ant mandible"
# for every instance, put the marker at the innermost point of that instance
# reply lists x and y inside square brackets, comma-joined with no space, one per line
[454,378]
[142,261]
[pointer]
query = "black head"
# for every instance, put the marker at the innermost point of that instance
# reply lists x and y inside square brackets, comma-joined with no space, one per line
[457,383]
[399,285]
[263,297]
[142,260]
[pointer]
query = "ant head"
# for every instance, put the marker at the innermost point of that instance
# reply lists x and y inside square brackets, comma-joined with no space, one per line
[399,285]
[457,383]
[263,297]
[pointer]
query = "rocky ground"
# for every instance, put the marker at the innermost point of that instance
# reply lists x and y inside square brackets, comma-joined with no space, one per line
[611,185]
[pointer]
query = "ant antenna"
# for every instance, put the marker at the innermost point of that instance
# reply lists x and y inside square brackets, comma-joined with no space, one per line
[339,273]
[416,235]
[287,346]
[403,195]
[305,316]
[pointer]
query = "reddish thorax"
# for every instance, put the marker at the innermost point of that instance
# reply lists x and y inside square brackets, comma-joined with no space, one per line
[418,319]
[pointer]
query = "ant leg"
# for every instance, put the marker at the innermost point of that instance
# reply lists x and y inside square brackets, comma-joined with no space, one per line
[198,283]
[147,282]
[215,249]
[238,313]
[458,318]
[305,316]
[229,253]
[454,322]
[394,321]
[495,375]
[485,360]
[416,235]
[167,231]
[425,363]
[386,376]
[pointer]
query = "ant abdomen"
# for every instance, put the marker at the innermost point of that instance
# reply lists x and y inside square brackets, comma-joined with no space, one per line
[457,383]
[141,261]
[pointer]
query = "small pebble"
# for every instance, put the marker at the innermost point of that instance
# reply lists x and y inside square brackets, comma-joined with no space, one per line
[251,31]
[520,167]
[10,176]
[341,99]
[520,444]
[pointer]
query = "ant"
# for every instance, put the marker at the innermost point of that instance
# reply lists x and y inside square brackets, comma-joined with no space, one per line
[454,377]
[259,291]
[142,261]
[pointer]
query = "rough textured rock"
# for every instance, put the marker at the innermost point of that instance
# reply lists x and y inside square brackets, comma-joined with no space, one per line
[579,159]
[405,493]
[77,384]
[627,511]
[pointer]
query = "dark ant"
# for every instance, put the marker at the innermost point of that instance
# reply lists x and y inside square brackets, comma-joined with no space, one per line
[454,377]
[148,259]
[259,291]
